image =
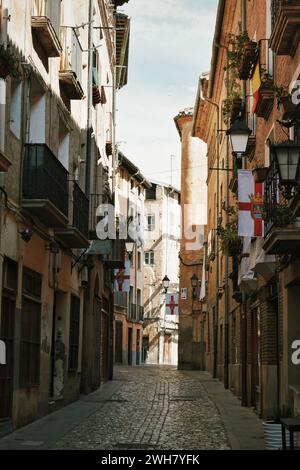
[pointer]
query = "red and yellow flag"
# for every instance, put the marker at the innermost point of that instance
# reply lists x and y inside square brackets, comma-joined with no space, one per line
[256,84]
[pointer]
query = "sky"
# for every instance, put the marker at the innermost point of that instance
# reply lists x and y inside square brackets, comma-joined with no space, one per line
[170,46]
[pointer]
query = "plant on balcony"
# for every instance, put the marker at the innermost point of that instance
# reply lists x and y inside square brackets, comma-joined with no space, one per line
[8,63]
[281,214]
[231,243]
[266,96]
[260,173]
[243,54]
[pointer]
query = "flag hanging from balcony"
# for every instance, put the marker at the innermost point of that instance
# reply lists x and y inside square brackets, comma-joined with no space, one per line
[172,304]
[256,84]
[251,205]
[122,278]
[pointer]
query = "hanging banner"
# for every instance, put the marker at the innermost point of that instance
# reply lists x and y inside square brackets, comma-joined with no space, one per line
[256,84]
[172,304]
[251,205]
[122,278]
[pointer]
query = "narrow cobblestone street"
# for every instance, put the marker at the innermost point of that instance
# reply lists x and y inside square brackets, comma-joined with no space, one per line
[152,408]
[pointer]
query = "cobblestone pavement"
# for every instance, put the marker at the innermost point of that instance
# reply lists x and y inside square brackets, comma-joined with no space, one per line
[154,408]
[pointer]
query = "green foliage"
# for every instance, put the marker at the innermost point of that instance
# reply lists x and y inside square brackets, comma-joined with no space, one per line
[281,214]
[231,243]
[9,60]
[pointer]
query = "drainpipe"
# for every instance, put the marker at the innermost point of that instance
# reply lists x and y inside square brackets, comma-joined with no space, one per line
[216,316]
[89,103]
[226,313]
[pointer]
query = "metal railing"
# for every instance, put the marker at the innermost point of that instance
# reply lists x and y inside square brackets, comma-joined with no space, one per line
[140,313]
[132,312]
[71,59]
[121,299]
[80,210]
[51,9]
[272,196]
[44,177]
[95,201]
[275,8]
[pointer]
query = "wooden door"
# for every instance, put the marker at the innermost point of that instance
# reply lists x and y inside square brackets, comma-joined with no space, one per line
[119,342]
[7,328]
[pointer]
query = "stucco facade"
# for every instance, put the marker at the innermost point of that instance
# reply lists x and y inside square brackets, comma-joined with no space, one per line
[162,231]
[57,133]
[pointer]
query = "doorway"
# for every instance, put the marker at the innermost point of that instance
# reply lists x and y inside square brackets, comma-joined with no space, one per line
[145,348]
[129,346]
[119,342]
[104,346]
[255,359]
[168,349]
[138,346]
[7,331]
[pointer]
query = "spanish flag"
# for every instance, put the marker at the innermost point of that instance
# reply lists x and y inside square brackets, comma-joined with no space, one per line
[256,84]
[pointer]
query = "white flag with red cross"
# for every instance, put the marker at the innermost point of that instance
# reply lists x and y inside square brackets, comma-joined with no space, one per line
[251,205]
[122,278]
[172,304]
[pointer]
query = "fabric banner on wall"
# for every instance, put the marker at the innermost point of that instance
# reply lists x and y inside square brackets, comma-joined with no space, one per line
[172,304]
[122,278]
[251,205]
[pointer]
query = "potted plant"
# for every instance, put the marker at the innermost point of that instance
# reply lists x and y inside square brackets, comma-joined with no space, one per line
[243,54]
[231,243]
[260,174]
[272,429]
[282,216]
[8,62]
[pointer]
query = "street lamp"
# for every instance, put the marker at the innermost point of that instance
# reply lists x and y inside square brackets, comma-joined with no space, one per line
[239,135]
[166,283]
[194,282]
[129,245]
[287,159]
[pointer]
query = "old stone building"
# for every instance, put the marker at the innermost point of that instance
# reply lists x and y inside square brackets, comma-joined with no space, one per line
[162,232]
[251,325]
[131,186]
[193,221]
[60,64]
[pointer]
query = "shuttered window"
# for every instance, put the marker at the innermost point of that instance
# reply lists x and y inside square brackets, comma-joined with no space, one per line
[30,329]
[74,333]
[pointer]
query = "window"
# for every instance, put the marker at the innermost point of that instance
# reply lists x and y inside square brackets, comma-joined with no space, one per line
[149,258]
[15,108]
[150,222]
[132,185]
[139,260]
[151,193]
[30,329]
[74,333]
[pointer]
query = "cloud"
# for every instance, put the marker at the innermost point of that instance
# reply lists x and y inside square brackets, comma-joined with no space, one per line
[170,46]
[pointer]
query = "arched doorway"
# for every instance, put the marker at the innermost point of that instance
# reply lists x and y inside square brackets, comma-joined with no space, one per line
[97,334]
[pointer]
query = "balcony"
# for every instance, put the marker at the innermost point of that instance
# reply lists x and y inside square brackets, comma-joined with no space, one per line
[136,313]
[282,236]
[248,60]
[77,234]
[96,88]
[4,163]
[286,27]
[95,201]
[120,300]
[266,99]
[45,24]
[45,186]
[70,74]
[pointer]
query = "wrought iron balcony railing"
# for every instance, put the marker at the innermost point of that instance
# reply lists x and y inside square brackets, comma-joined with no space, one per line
[44,177]
[70,74]
[80,211]
[272,195]
[140,312]
[121,299]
